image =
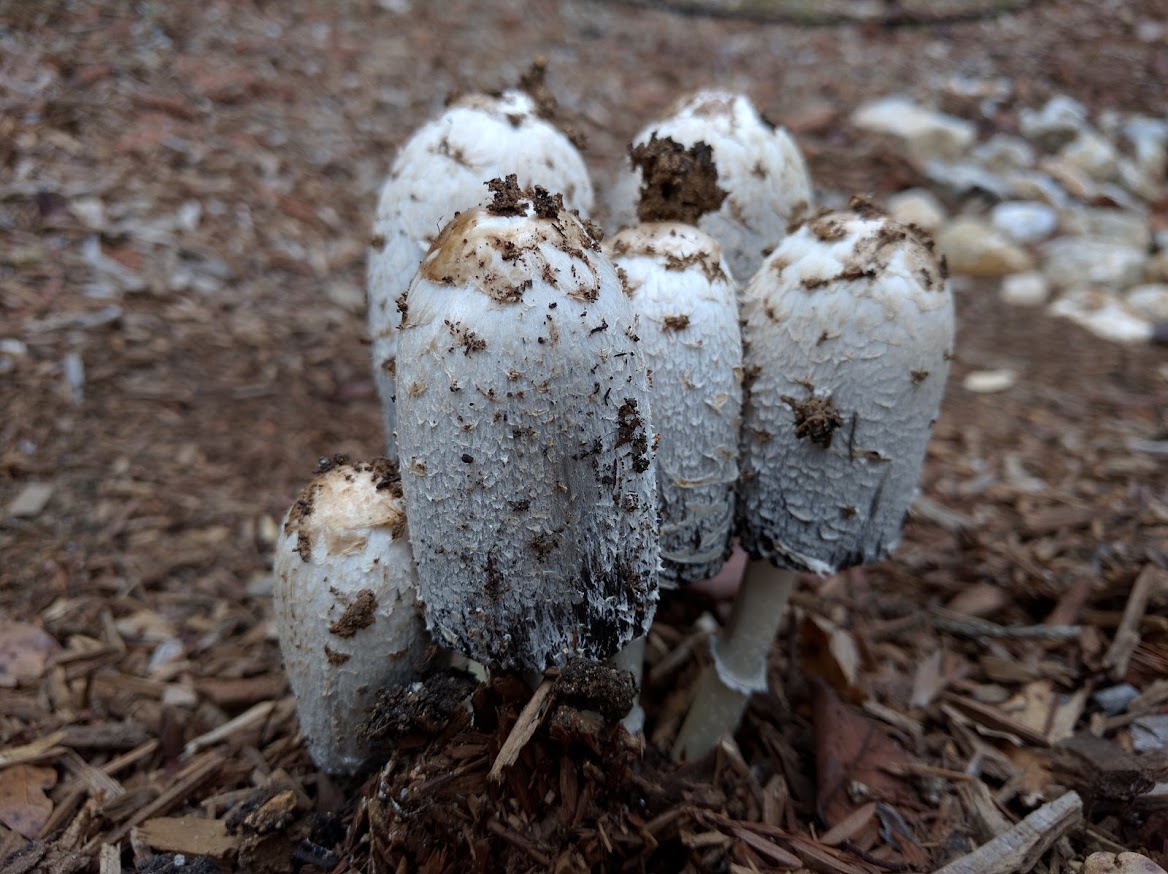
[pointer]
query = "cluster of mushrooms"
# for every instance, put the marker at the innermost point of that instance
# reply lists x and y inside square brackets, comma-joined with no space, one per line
[573,426]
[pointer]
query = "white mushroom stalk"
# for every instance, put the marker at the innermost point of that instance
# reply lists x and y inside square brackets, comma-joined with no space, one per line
[758,165]
[848,331]
[687,315]
[345,605]
[439,171]
[525,438]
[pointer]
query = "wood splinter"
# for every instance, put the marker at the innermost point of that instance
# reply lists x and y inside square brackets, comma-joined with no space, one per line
[1022,846]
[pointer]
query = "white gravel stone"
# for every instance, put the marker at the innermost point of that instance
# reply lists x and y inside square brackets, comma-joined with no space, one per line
[1149,301]
[976,248]
[926,132]
[1027,289]
[1003,152]
[918,206]
[985,382]
[1033,185]
[1092,153]
[1124,226]
[1104,314]
[1074,262]
[1055,123]
[1024,221]
[966,177]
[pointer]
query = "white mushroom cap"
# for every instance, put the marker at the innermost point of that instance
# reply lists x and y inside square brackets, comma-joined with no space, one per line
[345,605]
[440,170]
[848,331]
[759,166]
[525,440]
[688,323]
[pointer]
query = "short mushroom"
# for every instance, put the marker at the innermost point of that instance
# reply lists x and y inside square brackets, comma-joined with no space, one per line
[440,170]
[848,331]
[526,448]
[345,605]
[758,164]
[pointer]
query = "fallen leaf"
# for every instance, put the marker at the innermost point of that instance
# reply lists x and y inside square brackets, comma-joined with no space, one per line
[25,650]
[24,807]
[853,750]
[830,652]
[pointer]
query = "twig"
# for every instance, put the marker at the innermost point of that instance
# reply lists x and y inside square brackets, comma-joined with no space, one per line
[1020,848]
[1127,636]
[517,840]
[529,719]
[247,719]
[971,626]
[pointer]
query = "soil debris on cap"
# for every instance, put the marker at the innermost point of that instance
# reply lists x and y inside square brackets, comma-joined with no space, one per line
[508,199]
[357,615]
[677,184]
[816,418]
[533,82]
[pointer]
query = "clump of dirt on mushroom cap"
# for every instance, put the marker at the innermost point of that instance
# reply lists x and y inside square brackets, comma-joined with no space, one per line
[677,183]
[526,439]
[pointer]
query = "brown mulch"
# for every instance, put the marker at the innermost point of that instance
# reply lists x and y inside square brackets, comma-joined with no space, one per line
[185,196]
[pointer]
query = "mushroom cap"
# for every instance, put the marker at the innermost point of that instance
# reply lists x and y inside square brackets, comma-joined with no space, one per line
[687,312]
[440,170]
[847,331]
[525,441]
[759,166]
[345,605]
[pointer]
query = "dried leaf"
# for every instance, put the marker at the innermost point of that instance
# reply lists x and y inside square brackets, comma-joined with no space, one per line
[24,807]
[25,650]
[853,751]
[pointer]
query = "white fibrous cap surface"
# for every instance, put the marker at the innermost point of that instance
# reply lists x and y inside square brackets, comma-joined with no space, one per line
[345,602]
[848,331]
[687,315]
[759,166]
[526,443]
[441,170]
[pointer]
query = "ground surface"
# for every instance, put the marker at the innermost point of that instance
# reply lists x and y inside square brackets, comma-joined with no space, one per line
[185,197]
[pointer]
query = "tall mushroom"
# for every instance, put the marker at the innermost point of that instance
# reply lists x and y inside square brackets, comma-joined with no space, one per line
[345,605]
[527,453]
[848,331]
[440,170]
[687,312]
[758,164]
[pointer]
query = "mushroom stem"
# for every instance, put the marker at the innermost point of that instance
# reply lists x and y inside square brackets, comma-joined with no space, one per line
[740,656]
[632,659]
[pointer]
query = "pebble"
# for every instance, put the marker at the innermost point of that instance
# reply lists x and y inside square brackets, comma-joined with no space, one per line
[1120,863]
[984,382]
[917,206]
[1092,153]
[30,501]
[1033,185]
[966,177]
[1114,699]
[975,248]
[926,132]
[1149,301]
[1003,152]
[1055,123]
[1025,221]
[1126,227]
[1072,262]
[1027,289]
[1103,314]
